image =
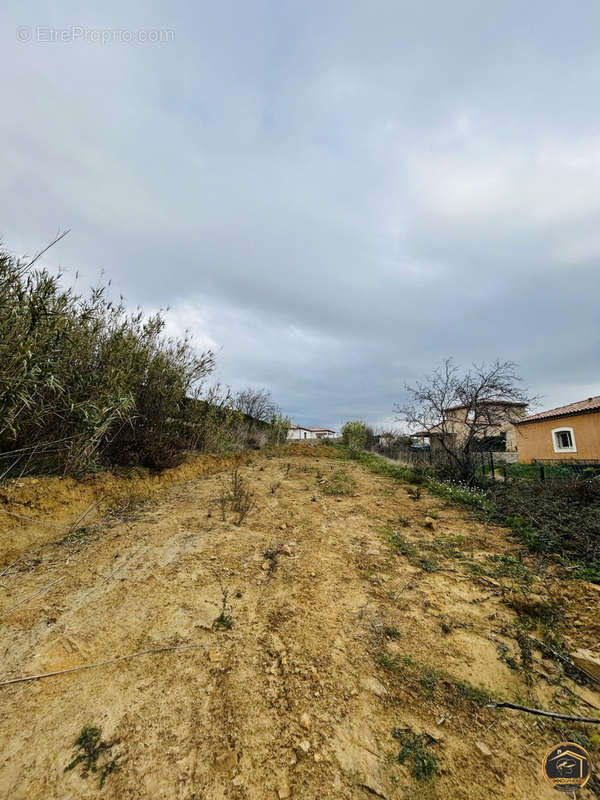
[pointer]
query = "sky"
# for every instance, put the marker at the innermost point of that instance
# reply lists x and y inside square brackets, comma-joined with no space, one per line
[333,196]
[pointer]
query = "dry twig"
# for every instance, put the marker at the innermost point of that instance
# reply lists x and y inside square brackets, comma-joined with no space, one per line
[102,663]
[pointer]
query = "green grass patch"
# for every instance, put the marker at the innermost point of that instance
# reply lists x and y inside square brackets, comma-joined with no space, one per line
[340,483]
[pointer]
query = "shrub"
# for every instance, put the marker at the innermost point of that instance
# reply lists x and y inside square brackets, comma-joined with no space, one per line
[83,382]
[279,428]
[354,436]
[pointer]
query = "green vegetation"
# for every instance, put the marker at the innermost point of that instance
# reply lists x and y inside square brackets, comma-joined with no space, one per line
[417,748]
[85,384]
[555,517]
[430,681]
[354,437]
[340,483]
[90,746]
[531,471]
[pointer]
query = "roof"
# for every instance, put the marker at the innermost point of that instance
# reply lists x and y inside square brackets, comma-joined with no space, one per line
[487,402]
[582,407]
[314,430]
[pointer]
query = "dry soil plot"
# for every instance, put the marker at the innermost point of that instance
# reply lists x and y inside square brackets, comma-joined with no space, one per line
[324,624]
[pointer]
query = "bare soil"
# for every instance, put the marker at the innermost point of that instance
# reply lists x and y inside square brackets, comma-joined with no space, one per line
[323,623]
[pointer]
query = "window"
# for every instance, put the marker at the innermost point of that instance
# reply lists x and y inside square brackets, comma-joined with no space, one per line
[564,440]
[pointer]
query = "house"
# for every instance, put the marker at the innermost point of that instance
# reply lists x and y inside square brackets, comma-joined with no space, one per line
[491,421]
[567,433]
[298,432]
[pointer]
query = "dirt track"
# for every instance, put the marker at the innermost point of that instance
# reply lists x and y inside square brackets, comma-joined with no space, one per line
[299,698]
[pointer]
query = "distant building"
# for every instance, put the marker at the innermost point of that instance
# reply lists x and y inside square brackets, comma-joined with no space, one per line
[298,432]
[567,433]
[492,420]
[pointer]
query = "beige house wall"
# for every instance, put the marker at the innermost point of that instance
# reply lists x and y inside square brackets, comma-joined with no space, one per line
[535,440]
[502,418]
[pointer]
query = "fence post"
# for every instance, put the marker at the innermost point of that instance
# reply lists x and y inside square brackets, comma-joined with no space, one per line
[492,465]
[504,472]
[542,473]
[482,464]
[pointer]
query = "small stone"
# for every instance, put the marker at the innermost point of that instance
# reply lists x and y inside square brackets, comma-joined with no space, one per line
[430,523]
[588,661]
[371,684]
[226,760]
[435,734]
[238,780]
[266,564]
[483,749]
[283,792]
[304,746]
[287,550]
[305,721]
[214,656]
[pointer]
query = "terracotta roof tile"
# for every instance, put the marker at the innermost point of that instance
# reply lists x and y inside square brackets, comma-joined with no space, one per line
[582,407]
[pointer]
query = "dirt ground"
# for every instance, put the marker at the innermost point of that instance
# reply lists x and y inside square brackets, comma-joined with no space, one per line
[321,625]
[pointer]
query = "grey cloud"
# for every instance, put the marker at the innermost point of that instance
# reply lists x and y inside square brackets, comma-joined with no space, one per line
[336,196]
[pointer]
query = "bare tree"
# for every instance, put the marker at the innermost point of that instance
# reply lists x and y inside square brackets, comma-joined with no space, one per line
[256,403]
[460,408]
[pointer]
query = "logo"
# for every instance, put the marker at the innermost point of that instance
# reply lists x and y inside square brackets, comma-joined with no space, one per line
[567,766]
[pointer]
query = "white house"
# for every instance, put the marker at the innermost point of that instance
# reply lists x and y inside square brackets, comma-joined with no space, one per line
[298,432]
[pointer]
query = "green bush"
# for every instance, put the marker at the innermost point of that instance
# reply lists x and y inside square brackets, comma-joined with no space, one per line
[279,428]
[83,382]
[354,436]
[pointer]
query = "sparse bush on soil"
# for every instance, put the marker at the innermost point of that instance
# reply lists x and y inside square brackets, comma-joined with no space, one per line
[236,496]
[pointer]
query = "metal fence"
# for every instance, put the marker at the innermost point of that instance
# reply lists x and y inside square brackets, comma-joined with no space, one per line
[496,465]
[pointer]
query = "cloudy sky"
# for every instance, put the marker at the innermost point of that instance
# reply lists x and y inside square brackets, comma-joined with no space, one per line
[333,195]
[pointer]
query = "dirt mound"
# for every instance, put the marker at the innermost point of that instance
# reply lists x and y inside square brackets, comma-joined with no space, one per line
[345,646]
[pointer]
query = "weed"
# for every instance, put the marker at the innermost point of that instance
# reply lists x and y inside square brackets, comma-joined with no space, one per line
[90,746]
[224,621]
[506,566]
[237,496]
[272,555]
[391,633]
[417,748]
[414,494]
[400,544]
[474,694]
[404,522]
[428,564]
[429,680]
[340,483]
